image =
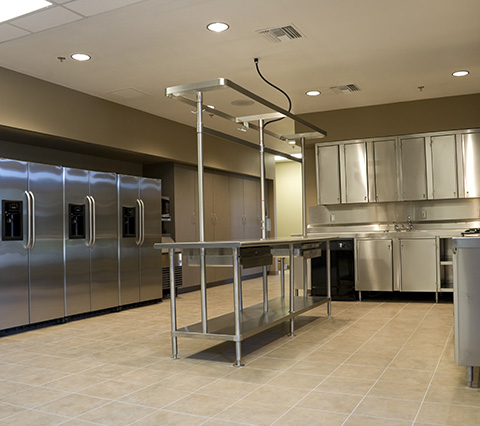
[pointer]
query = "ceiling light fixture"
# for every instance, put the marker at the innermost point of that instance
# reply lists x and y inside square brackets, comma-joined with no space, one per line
[218,27]
[291,142]
[313,93]
[81,57]
[460,73]
[15,8]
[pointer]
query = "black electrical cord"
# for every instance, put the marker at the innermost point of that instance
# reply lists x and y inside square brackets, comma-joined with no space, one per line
[275,87]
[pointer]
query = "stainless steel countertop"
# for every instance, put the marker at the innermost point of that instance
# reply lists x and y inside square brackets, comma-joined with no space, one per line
[296,241]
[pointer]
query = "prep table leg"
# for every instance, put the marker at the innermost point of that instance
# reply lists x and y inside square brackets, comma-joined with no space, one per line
[282,277]
[470,376]
[292,306]
[237,307]
[173,304]
[329,281]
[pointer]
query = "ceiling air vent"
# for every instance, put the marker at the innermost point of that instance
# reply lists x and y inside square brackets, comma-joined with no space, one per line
[280,34]
[345,88]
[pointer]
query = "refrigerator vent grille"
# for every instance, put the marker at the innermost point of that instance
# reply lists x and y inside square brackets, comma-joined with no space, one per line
[345,88]
[281,34]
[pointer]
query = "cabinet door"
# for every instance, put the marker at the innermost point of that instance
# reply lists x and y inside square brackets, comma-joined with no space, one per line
[414,175]
[385,171]
[185,204]
[328,174]
[444,167]
[252,208]
[356,180]
[237,218]
[471,161]
[374,265]
[418,264]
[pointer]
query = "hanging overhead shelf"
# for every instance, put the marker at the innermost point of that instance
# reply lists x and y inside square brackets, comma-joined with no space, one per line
[238,98]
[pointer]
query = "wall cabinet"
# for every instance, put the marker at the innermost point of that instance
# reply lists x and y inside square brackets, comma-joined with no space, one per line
[418,264]
[374,265]
[328,174]
[444,167]
[413,167]
[471,164]
[355,171]
[385,170]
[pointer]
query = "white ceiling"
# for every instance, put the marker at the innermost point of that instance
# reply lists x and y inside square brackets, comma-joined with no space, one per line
[139,47]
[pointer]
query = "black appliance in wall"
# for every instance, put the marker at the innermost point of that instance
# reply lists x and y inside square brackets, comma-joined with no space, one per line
[342,266]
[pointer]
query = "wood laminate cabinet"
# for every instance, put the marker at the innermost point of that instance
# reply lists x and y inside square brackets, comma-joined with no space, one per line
[414,173]
[374,265]
[444,167]
[418,264]
[328,174]
[385,172]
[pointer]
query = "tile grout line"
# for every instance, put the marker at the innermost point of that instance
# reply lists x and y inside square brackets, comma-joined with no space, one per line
[433,375]
[385,369]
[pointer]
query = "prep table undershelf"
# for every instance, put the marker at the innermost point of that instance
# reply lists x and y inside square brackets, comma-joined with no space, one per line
[253,319]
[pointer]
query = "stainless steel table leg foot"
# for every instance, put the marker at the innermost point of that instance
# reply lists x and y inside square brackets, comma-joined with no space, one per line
[238,355]
[174,348]
[329,308]
[292,327]
[469,376]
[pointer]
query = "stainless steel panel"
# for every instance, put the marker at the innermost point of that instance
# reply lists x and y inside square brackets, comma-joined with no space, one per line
[14,303]
[47,298]
[466,270]
[414,176]
[328,174]
[356,178]
[104,253]
[418,265]
[129,254]
[374,265]
[151,260]
[471,164]
[385,171]
[444,167]
[77,254]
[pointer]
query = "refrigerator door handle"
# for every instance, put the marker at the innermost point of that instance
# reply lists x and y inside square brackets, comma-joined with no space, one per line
[138,237]
[143,222]
[88,241]
[29,221]
[93,222]
[32,220]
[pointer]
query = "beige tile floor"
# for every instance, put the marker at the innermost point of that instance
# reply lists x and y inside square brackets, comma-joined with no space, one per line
[382,363]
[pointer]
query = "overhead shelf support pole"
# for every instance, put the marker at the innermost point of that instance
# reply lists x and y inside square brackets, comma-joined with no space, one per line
[263,208]
[304,190]
[201,211]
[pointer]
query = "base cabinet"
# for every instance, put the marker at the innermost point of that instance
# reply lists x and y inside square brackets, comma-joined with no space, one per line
[374,265]
[418,264]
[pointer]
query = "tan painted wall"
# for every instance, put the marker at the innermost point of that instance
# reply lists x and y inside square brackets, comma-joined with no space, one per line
[35,105]
[442,114]
[288,194]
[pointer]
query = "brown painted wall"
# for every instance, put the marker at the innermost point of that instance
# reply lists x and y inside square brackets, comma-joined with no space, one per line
[38,106]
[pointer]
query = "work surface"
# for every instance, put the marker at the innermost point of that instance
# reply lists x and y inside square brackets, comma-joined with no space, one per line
[371,363]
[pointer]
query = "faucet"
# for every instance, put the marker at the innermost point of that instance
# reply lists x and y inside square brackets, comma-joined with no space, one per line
[395,226]
[409,223]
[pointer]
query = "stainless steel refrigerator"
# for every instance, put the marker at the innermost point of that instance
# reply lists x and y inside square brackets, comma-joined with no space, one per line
[91,262]
[31,248]
[140,226]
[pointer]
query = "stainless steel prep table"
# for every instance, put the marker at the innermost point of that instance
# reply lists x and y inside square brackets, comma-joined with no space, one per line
[245,322]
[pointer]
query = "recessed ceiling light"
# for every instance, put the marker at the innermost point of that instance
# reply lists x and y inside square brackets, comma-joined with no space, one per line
[15,8]
[218,27]
[81,57]
[460,73]
[291,142]
[313,93]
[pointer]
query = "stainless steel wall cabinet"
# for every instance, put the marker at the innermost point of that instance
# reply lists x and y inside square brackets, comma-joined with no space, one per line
[328,174]
[356,176]
[91,256]
[471,163]
[140,210]
[31,249]
[466,273]
[385,170]
[414,172]
[444,167]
